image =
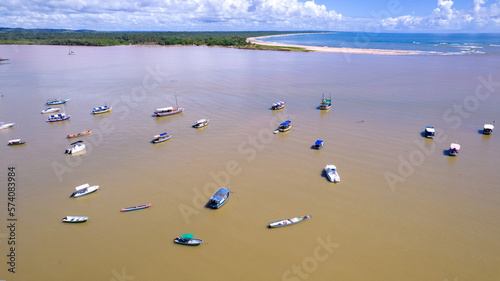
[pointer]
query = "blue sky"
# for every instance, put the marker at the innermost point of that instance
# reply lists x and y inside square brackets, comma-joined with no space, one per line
[242,15]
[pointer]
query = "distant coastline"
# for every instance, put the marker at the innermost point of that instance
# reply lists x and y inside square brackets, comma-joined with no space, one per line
[256,41]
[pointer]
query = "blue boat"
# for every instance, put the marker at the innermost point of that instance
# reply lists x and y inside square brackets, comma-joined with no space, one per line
[101,109]
[187,239]
[278,105]
[56,101]
[219,198]
[58,117]
[161,137]
[318,144]
[429,132]
[283,127]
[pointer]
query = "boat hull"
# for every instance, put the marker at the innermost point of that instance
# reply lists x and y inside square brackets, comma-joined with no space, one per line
[136,208]
[73,219]
[219,198]
[79,134]
[162,139]
[175,111]
[12,143]
[191,242]
[85,191]
[331,173]
[289,221]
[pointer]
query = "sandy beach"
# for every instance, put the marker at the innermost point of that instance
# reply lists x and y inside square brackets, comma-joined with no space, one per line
[255,40]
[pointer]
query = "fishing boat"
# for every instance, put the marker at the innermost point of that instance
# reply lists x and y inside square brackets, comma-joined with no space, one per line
[75,147]
[219,198]
[79,134]
[56,101]
[161,138]
[429,132]
[136,208]
[101,109]
[83,190]
[331,173]
[58,117]
[168,110]
[278,105]
[318,144]
[283,127]
[200,123]
[454,149]
[16,142]
[6,125]
[488,129]
[325,103]
[50,110]
[187,239]
[73,219]
[286,222]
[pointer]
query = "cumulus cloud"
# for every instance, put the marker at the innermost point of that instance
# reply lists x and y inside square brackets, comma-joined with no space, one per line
[168,14]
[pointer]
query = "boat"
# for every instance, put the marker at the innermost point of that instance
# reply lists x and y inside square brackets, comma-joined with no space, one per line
[325,103]
[161,137]
[16,142]
[79,134]
[71,52]
[219,198]
[318,144]
[101,109]
[278,105]
[454,149]
[331,173]
[283,127]
[56,101]
[6,125]
[84,189]
[50,110]
[200,123]
[168,110]
[187,239]
[136,208]
[73,219]
[75,147]
[286,222]
[488,129]
[58,117]
[429,132]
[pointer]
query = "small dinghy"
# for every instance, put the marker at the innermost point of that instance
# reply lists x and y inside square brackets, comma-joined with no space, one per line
[454,149]
[488,129]
[200,123]
[73,219]
[75,147]
[161,138]
[16,142]
[331,173]
[50,110]
[83,190]
[289,221]
[6,125]
[187,239]
[318,144]
[136,208]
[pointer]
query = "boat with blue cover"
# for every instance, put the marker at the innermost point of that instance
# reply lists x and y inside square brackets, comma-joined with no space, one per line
[161,137]
[283,127]
[430,132]
[187,239]
[58,117]
[219,198]
[278,105]
[325,103]
[318,144]
[101,109]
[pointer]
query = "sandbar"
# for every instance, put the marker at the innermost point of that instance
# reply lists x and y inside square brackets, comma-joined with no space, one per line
[255,40]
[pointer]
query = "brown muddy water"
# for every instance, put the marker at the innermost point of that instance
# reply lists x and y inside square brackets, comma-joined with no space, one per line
[404,209]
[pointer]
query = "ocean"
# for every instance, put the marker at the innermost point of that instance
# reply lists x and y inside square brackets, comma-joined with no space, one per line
[428,43]
[403,210]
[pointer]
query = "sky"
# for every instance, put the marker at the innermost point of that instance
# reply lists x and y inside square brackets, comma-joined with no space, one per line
[255,15]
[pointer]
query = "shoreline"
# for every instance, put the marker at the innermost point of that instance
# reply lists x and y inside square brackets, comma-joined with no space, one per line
[255,40]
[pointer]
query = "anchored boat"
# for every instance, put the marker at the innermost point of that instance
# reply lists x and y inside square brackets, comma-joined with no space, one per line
[331,173]
[136,208]
[454,149]
[318,144]
[6,125]
[79,134]
[84,189]
[101,109]
[488,129]
[286,222]
[219,198]
[50,110]
[161,138]
[16,142]
[325,103]
[168,110]
[187,239]
[278,105]
[283,127]
[56,101]
[429,132]
[200,123]
[73,219]
[58,117]
[76,147]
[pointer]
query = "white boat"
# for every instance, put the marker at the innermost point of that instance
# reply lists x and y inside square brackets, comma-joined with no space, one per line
[101,109]
[283,127]
[50,110]
[488,129]
[75,147]
[331,173]
[325,103]
[168,110]
[429,132]
[84,189]
[58,117]
[454,149]
[6,125]
[74,219]
[200,123]
[278,105]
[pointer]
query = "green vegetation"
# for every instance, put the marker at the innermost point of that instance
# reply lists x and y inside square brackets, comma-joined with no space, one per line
[18,36]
